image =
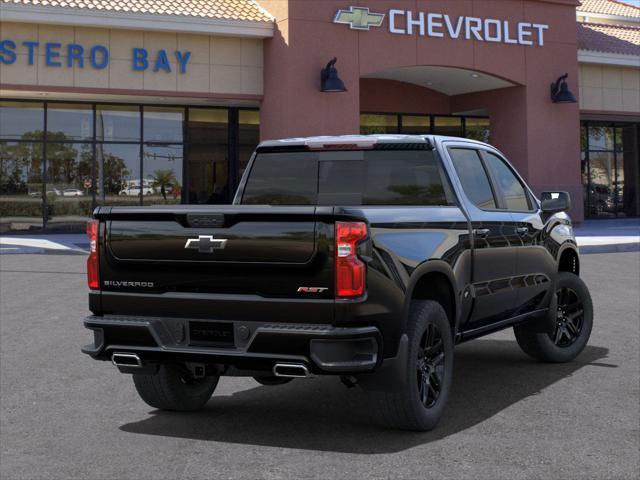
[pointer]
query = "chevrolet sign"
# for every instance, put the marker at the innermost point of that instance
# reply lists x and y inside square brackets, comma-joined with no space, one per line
[441,25]
[359,18]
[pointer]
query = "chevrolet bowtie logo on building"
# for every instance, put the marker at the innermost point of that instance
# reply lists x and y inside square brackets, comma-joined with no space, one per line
[359,18]
[205,244]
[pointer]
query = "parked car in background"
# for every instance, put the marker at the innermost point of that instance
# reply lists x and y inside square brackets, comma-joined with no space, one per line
[72,192]
[50,191]
[135,190]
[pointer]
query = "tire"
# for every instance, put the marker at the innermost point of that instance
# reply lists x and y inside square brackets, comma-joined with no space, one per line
[421,401]
[173,388]
[573,327]
[272,380]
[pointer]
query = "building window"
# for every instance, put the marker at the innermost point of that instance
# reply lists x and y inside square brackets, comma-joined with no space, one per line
[376,124]
[476,128]
[610,165]
[208,155]
[59,160]
[449,126]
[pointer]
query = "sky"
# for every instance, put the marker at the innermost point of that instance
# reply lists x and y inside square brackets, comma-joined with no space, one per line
[635,3]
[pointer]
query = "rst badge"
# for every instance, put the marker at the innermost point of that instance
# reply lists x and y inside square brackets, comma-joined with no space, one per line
[312,289]
[205,244]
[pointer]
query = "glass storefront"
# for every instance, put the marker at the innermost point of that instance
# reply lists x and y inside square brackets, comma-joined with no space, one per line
[58,161]
[610,164]
[476,128]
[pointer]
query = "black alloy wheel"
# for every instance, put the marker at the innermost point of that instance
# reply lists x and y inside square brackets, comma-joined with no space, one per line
[570,318]
[430,366]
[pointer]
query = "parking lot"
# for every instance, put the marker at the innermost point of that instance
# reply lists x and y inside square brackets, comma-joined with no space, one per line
[66,416]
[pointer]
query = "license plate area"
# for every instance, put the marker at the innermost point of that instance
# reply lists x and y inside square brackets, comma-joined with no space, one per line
[211,334]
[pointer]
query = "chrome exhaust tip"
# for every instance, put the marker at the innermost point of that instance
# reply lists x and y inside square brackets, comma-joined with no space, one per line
[290,370]
[126,360]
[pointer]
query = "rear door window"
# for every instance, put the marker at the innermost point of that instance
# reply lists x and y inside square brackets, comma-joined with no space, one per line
[510,189]
[393,177]
[473,177]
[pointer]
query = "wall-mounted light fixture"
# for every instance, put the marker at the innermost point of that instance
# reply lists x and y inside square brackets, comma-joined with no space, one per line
[560,92]
[329,80]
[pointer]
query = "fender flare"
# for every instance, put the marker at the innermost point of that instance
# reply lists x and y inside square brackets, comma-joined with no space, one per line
[431,266]
[567,245]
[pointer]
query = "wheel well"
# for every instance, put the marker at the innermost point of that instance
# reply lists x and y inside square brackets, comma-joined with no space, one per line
[437,287]
[569,262]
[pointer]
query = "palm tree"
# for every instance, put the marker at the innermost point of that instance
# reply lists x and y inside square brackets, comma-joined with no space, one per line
[163,178]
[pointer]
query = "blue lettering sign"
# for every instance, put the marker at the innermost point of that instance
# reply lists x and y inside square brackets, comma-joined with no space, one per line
[99,51]
[97,56]
[31,48]
[162,62]
[74,54]
[7,53]
[51,53]
[183,59]
[140,62]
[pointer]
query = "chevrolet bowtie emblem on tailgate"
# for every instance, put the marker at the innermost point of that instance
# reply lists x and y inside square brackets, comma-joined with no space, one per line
[205,243]
[359,18]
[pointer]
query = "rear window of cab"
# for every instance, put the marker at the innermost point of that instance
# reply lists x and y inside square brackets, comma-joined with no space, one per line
[370,177]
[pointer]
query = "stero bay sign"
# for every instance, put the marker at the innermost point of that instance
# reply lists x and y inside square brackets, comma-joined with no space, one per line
[95,56]
[441,25]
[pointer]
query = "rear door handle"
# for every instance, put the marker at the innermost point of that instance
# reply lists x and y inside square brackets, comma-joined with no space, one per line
[482,232]
[522,231]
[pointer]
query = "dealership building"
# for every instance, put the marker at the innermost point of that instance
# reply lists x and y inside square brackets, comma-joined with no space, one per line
[129,102]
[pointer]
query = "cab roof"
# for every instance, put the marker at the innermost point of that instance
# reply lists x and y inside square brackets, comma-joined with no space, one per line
[357,141]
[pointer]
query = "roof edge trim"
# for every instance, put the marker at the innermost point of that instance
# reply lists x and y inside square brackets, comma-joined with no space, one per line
[605,58]
[135,21]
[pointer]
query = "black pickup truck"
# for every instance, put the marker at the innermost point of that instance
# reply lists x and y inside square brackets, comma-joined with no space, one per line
[363,257]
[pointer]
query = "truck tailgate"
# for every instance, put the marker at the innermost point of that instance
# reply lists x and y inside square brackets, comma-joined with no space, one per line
[152,258]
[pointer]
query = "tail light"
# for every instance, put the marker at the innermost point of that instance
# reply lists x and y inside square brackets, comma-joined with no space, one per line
[93,262]
[350,270]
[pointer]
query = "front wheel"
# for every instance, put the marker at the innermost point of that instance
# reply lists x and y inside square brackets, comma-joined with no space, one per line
[420,403]
[574,320]
[174,388]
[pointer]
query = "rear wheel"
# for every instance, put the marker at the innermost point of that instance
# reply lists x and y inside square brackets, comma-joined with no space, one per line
[175,388]
[420,403]
[574,320]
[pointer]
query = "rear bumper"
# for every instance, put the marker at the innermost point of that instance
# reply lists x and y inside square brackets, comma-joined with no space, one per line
[323,349]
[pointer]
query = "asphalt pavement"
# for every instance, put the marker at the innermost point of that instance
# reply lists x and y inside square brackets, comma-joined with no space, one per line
[65,416]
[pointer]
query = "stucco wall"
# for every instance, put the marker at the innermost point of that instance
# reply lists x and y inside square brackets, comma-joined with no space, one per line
[609,88]
[224,65]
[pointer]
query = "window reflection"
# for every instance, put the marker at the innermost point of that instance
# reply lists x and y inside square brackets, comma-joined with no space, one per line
[110,154]
[249,137]
[376,124]
[118,123]
[477,129]
[21,120]
[68,121]
[449,126]
[611,164]
[21,186]
[162,174]
[416,124]
[69,175]
[163,124]
[118,174]
[208,156]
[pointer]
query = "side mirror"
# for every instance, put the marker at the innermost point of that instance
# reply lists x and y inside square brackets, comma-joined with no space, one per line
[554,202]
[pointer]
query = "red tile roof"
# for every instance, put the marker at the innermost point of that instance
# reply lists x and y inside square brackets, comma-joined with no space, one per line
[222,9]
[609,7]
[609,38]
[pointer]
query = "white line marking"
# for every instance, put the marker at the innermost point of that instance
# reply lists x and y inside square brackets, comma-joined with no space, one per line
[617,240]
[32,242]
